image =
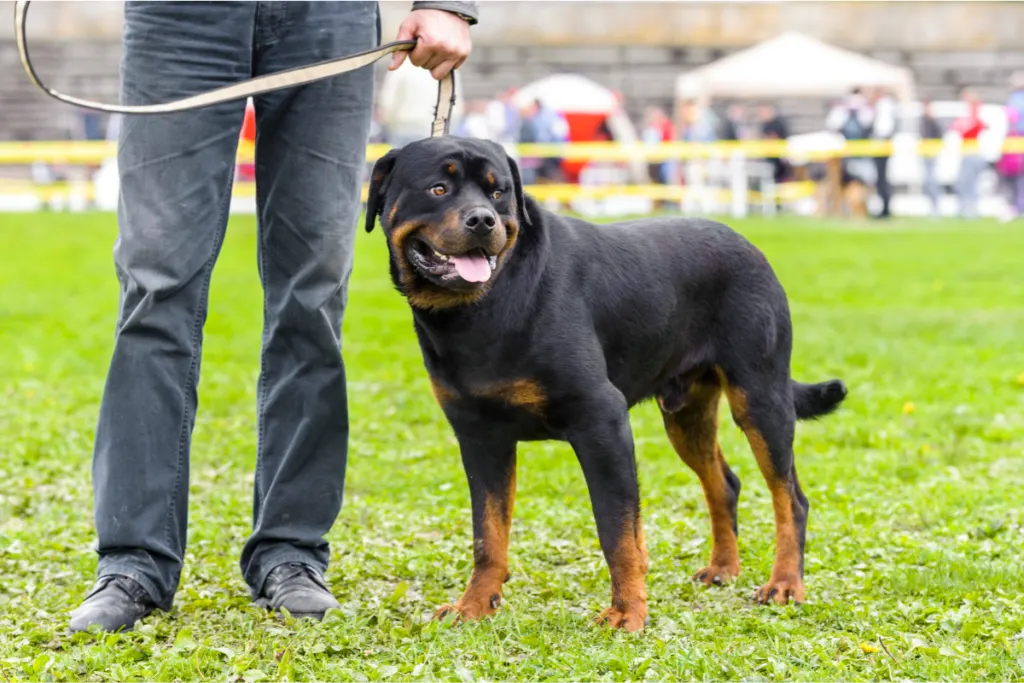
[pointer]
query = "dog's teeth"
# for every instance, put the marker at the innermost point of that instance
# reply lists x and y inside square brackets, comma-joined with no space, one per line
[440,256]
[493,260]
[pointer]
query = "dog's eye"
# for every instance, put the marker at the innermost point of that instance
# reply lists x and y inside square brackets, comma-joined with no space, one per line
[438,190]
[496,194]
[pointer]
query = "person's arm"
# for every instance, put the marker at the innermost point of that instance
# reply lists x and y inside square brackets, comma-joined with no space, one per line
[441,31]
[835,119]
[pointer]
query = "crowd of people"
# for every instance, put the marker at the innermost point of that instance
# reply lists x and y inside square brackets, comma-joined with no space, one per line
[866,114]
[500,119]
[871,114]
[863,114]
[701,123]
[1011,166]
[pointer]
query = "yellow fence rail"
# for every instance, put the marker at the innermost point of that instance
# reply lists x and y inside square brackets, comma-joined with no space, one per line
[84,190]
[80,152]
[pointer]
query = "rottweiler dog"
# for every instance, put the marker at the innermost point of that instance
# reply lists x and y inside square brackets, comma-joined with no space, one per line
[536,326]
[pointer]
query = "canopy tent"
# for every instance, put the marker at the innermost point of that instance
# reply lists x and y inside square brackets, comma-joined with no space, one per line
[792,65]
[569,93]
[586,105]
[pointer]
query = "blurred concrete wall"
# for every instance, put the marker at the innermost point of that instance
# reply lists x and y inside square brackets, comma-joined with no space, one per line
[920,25]
[865,25]
[638,48]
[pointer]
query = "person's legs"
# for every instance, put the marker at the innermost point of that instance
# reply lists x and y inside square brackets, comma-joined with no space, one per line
[175,172]
[1018,184]
[970,169]
[882,184]
[310,150]
[931,184]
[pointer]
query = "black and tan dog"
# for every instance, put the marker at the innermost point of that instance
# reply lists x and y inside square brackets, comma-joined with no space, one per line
[536,326]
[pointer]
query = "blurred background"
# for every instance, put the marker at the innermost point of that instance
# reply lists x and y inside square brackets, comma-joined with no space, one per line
[738,108]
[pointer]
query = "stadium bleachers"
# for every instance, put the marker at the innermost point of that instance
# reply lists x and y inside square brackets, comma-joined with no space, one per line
[645,75]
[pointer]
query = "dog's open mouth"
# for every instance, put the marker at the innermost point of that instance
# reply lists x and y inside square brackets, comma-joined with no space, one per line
[475,266]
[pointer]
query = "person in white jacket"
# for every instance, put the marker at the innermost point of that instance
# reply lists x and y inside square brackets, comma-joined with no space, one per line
[852,117]
[407,99]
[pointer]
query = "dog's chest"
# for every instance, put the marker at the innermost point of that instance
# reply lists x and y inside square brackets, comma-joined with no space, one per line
[468,385]
[474,369]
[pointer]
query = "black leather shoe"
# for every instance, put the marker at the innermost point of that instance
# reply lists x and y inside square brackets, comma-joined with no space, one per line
[115,603]
[298,588]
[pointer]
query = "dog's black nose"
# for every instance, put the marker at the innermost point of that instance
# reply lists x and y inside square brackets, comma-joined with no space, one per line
[480,221]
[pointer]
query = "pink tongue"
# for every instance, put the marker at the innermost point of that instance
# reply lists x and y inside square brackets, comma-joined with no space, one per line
[472,268]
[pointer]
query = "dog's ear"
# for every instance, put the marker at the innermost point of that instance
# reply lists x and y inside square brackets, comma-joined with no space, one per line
[517,181]
[379,177]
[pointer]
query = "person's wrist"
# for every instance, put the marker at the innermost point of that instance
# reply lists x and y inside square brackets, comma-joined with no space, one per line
[448,7]
[465,17]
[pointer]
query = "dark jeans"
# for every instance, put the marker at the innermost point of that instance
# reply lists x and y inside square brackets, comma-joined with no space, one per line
[176,175]
[882,184]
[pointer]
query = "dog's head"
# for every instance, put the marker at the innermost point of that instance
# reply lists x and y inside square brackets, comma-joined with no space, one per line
[451,209]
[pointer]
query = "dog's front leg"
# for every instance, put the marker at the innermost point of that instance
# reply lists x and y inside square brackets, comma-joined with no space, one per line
[490,464]
[603,442]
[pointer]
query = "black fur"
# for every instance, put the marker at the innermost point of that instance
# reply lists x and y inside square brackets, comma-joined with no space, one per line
[817,400]
[598,318]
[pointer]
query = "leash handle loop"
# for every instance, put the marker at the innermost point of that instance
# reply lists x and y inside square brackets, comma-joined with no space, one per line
[248,88]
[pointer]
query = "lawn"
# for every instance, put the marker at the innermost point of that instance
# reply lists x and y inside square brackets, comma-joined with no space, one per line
[915,551]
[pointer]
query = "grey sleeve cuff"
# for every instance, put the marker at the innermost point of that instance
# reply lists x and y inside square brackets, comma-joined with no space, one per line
[467,10]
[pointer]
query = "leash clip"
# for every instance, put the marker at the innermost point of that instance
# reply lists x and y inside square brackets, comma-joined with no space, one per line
[444,106]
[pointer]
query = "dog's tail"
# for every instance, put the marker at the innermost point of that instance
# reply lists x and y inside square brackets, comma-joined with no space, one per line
[817,400]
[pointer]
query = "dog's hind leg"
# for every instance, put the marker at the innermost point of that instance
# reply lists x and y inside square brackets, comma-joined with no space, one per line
[762,406]
[693,431]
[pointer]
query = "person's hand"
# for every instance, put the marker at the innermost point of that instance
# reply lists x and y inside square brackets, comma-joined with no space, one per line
[442,41]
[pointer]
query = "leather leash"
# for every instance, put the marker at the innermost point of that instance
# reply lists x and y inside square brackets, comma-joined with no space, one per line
[254,86]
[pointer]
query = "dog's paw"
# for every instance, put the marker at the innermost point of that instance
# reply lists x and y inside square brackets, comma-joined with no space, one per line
[470,609]
[716,575]
[781,591]
[632,618]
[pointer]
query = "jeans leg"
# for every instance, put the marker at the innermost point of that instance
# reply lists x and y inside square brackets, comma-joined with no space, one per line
[963,187]
[931,185]
[310,150]
[882,184]
[970,172]
[175,172]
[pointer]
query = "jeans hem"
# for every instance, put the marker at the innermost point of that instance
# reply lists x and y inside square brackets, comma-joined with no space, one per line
[121,568]
[274,559]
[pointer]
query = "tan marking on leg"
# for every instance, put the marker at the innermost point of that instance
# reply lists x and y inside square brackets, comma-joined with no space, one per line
[490,559]
[628,566]
[786,581]
[693,433]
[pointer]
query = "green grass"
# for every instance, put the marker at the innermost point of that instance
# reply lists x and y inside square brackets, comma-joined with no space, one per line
[915,552]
